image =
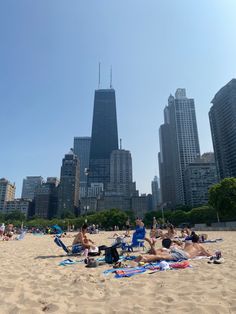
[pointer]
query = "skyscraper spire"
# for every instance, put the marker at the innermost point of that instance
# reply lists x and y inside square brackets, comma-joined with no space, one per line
[99,74]
[120,143]
[111,77]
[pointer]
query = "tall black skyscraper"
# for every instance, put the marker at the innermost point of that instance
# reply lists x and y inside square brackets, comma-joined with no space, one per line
[68,190]
[223,129]
[104,136]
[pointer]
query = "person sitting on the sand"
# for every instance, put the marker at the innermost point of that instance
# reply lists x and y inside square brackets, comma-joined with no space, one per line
[194,248]
[169,252]
[86,243]
[171,232]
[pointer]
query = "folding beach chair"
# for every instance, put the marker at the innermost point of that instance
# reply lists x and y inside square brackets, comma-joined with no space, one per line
[74,249]
[21,236]
[137,240]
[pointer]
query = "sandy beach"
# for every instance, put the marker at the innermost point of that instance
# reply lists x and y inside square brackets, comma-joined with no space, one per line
[32,282]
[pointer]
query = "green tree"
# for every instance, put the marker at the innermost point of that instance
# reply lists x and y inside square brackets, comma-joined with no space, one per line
[222,197]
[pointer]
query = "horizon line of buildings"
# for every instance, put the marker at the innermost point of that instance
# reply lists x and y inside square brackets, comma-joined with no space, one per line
[97,174]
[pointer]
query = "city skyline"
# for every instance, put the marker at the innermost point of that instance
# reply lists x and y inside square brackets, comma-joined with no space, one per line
[49,74]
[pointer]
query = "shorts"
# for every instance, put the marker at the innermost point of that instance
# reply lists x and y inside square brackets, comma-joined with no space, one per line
[178,254]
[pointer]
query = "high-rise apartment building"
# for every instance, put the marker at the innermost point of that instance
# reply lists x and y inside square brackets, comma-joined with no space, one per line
[155,193]
[222,117]
[68,190]
[7,193]
[179,146]
[104,136]
[200,175]
[29,186]
[46,198]
[20,205]
[121,177]
[82,150]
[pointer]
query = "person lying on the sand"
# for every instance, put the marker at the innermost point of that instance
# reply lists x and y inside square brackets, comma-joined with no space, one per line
[169,252]
[194,248]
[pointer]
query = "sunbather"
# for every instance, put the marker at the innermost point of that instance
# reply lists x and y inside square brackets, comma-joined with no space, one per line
[170,252]
[194,248]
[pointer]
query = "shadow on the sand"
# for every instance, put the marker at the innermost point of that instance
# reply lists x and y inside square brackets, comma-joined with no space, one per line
[49,256]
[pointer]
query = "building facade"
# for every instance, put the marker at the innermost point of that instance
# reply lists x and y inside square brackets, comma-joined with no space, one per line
[7,193]
[200,175]
[82,150]
[121,176]
[29,186]
[155,193]
[104,137]
[68,190]
[179,146]
[46,199]
[18,204]
[222,117]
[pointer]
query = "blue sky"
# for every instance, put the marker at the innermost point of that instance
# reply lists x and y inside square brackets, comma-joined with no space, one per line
[49,54]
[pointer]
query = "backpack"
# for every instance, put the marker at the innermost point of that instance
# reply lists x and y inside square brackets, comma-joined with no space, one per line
[111,255]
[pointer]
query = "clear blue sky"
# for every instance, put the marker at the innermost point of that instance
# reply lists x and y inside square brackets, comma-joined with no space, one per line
[49,54]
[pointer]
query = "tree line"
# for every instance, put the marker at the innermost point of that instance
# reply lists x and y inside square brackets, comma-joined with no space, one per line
[221,207]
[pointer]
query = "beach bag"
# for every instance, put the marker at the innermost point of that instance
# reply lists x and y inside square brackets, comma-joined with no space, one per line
[111,255]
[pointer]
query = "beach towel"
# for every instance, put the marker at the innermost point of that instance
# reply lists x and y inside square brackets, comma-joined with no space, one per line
[212,241]
[67,262]
[128,272]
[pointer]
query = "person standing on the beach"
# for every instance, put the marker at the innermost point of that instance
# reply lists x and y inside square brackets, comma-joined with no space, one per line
[127,224]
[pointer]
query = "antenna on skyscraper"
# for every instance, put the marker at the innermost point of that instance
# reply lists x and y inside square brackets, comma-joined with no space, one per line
[120,143]
[111,77]
[99,74]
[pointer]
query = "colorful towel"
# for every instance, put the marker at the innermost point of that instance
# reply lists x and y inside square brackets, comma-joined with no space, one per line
[128,272]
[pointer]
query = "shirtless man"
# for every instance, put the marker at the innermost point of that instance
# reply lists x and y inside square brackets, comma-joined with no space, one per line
[169,252]
[82,239]
[194,248]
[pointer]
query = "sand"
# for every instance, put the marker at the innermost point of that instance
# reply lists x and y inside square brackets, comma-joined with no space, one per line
[32,282]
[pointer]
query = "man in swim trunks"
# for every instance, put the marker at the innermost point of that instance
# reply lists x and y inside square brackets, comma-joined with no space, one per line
[169,252]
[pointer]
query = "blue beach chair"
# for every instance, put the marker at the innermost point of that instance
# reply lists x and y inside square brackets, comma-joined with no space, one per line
[137,240]
[74,249]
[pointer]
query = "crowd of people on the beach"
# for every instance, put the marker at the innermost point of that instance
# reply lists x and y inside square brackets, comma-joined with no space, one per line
[175,245]
[9,232]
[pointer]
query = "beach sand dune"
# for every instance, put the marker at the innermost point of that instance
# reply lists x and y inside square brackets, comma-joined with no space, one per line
[32,282]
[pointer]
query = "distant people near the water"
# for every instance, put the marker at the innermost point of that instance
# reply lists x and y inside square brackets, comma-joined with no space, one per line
[2,230]
[170,234]
[86,243]
[127,227]
[186,232]
[154,223]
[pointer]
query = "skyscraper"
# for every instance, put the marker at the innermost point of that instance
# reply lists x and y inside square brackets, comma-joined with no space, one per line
[68,190]
[121,177]
[200,175]
[104,136]
[82,150]
[29,186]
[7,193]
[155,193]
[222,117]
[178,143]
[46,198]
